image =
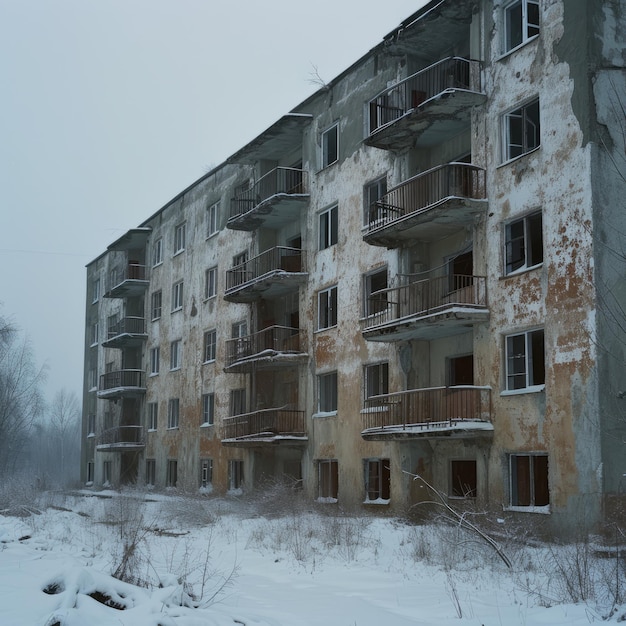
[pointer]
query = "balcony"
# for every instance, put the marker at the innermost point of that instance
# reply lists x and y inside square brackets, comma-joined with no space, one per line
[272,273]
[268,426]
[129,281]
[426,108]
[270,348]
[121,439]
[128,332]
[122,383]
[426,309]
[275,200]
[440,412]
[429,206]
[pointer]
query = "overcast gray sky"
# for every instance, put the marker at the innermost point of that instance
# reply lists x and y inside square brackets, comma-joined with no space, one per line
[111,107]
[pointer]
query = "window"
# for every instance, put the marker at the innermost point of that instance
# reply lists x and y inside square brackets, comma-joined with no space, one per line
[330,146]
[212,219]
[93,341]
[172,472]
[521,130]
[463,479]
[327,392]
[210,345]
[328,228]
[90,472]
[208,409]
[521,22]
[95,290]
[523,246]
[377,480]
[206,472]
[151,472]
[155,358]
[374,292]
[376,379]
[93,378]
[153,415]
[327,479]
[327,308]
[373,192]
[106,472]
[235,474]
[91,425]
[155,307]
[237,401]
[157,252]
[173,413]
[176,354]
[525,366]
[180,233]
[210,282]
[529,480]
[177,296]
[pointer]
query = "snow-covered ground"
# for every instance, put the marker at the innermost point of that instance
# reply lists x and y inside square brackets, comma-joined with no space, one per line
[225,561]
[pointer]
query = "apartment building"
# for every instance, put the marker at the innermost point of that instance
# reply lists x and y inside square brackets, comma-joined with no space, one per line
[419,270]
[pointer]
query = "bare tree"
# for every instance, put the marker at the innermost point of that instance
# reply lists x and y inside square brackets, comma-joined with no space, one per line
[63,427]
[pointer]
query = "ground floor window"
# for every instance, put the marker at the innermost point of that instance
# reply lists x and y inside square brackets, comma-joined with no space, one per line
[377,480]
[235,474]
[206,472]
[150,471]
[328,479]
[106,472]
[529,480]
[463,479]
[172,472]
[90,472]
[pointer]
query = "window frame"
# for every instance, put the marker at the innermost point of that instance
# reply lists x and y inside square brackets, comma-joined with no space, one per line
[238,402]
[180,238]
[532,367]
[151,472]
[327,480]
[173,413]
[157,252]
[206,477]
[375,374]
[528,243]
[177,296]
[153,416]
[95,334]
[369,307]
[525,24]
[520,113]
[156,309]
[176,354]
[328,226]
[213,211]
[155,360]
[457,489]
[327,393]
[535,481]
[171,479]
[327,146]
[95,290]
[210,282]
[210,345]
[379,186]
[235,474]
[208,409]
[327,308]
[377,470]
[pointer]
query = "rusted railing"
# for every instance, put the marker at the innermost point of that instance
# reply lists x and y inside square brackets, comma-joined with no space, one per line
[122,378]
[274,259]
[274,338]
[424,297]
[434,406]
[122,436]
[264,423]
[282,180]
[132,271]
[127,325]
[398,100]
[419,193]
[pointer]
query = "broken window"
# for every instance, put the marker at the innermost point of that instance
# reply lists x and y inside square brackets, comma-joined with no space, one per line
[529,480]
[172,472]
[208,409]
[151,472]
[374,292]
[173,413]
[327,479]
[377,480]
[210,345]
[523,243]
[463,479]
[327,308]
[329,227]
[525,360]
[235,474]
[521,22]
[153,415]
[327,388]
[330,146]
[206,472]
[521,130]
[373,192]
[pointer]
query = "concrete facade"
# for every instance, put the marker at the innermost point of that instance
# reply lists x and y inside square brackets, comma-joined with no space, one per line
[417,271]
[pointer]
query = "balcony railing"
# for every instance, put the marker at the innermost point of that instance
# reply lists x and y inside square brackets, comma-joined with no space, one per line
[451,74]
[419,299]
[266,343]
[129,280]
[121,437]
[429,412]
[271,266]
[127,331]
[282,181]
[265,425]
[118,383]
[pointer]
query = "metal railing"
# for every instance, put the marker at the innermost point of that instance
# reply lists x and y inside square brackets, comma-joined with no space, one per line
[396,101]
[127,325]
[281,180]
[434,406]
[274,259]
[122,378]
[274,338]
[122,436]
[132,271]
[264,423]
[423,297]
[423,191]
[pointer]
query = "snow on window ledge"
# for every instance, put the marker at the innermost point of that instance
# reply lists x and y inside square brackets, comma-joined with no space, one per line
[517,392]
[522,270]
[205,425]
[326,500]
[543,510]
[378,501]
[324,414]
